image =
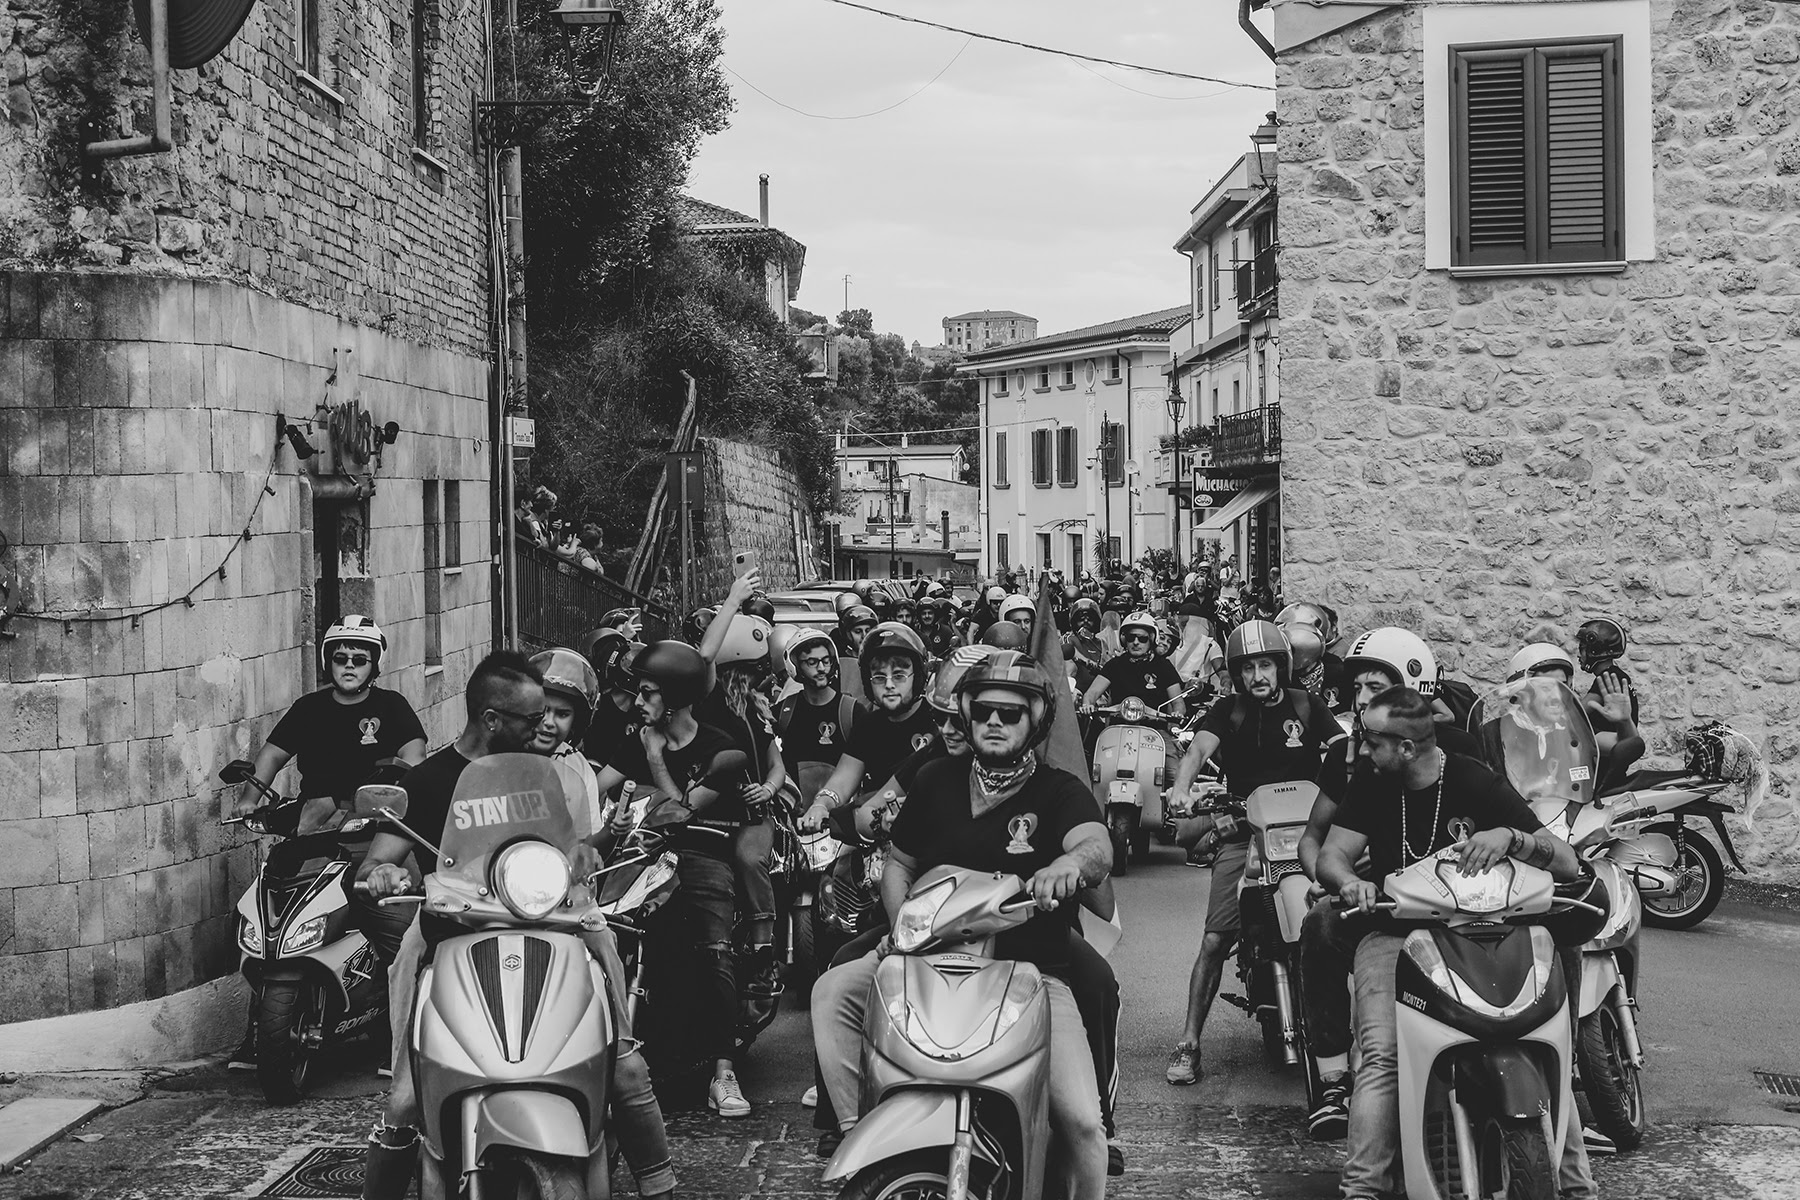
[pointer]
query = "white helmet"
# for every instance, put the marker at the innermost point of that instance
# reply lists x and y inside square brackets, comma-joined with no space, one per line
[1400,652]
[1141,620]
[353,630]
[747,641]
[1015,603]
[1539,654]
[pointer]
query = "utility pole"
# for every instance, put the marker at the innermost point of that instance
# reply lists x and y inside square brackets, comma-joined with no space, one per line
[893,548]
[1106,443]
[846,293]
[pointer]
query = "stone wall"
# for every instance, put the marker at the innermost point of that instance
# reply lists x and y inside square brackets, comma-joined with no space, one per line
[314,190]
[753,502]
[1492,460]
[137,429]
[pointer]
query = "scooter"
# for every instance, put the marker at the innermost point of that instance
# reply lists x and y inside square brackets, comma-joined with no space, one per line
[513,1034]
[956,1052]
[1483,1028]
[317,980]
[1134,764]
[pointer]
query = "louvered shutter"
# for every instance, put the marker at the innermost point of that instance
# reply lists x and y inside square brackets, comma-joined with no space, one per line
[1493,162]
[1581,198]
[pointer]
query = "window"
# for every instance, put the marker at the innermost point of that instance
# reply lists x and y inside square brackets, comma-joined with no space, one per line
[1237,398]
[424,44]
[1044,376]
[1112,435]
[1068,374]
[1002,555]
[1114,367]
[1215,403]
[1000,385]
[1535,153]
[434,580]
[1000,468]
[1262,376]
[1217,273]
[1040,457]
[310,58]
[1074,556]
[1068,455]
[453,522]
[1044,551]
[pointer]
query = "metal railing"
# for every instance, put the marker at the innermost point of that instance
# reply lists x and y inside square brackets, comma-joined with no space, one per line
[1250,439]
[1257,280]
[559,601]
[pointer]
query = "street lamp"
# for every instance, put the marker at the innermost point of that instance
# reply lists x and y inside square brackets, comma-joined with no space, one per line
[1176,403]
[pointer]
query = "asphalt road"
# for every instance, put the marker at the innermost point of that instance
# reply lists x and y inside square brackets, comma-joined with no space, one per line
[1719,1002]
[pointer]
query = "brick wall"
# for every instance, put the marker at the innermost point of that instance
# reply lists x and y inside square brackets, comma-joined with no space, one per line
[318,197]
[752,503]
[1491,460]
[136,427]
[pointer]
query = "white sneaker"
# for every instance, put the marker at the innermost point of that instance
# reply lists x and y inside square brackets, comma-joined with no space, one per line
[1597,1142]
[726,1098]
[810,1097]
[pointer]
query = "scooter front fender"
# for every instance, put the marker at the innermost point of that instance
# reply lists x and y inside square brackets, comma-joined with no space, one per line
[540,1121]
[914,1119]
[1599,976]
[1509,1080]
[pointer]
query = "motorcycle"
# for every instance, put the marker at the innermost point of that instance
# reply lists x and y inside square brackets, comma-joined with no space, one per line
[975,1120]
[1549,756]
[1134,764]
[1483,1081]
[817,855]
[318,982]
[513,1033]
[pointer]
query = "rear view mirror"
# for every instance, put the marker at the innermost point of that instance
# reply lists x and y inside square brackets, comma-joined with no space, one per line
[237,770]
[381,800]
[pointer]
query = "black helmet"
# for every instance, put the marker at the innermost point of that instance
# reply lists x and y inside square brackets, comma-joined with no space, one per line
[880,601]
[678,669]
[1018,672]
[1084,611]
[694,628]
[890,638]
[856,614]
[607,652]
[759,605]
[1599,641]
[1004,635]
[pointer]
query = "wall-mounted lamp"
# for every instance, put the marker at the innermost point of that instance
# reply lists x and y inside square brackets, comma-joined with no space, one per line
[303,449]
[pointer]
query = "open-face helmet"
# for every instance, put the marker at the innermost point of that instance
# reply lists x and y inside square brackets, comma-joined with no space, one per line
[746,641]
[356,632]
[950,672]
[571,675]
[1015,604]
[1401,653]
[1084,612]
[804,640]
[760,606]
[1017,672]
[844,600]
[1600,641]
[1141,621]
[890,638]
[677,669]
[693,630]
[606,653]
[995,594]
[857,614]
[1305,627]
[1537,656]
[1259,639]
[1004,635]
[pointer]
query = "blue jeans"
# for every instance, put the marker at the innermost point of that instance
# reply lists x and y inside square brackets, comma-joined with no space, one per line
[1372,1167]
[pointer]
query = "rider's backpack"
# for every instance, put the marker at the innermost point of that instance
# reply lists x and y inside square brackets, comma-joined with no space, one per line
[1459,698]
[784,713]
[1300,698]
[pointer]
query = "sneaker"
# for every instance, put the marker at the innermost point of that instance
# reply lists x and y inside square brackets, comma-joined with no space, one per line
[385,1071]
[1597,1142]
[726,1098]
[1115,1159]
[829,1141]
[1184,1064]
[1330,1121]
[810,1097]
[1198,857]
[244,1057]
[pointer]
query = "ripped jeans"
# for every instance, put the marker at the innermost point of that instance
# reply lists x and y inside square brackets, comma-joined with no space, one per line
[691,962]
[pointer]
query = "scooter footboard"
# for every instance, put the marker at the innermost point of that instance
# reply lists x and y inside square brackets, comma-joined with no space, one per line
[903,1122]
[540,1121]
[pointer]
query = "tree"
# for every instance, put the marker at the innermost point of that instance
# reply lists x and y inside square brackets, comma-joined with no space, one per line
[857,322]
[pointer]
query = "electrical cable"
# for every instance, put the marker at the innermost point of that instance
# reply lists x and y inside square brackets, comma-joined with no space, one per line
[1152,95]
[857,116]
[1107,62]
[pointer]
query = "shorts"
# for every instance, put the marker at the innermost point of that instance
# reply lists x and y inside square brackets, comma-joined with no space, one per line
[1222,901]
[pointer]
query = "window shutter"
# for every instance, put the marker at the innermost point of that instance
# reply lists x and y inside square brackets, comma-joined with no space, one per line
[1493,160]
[1040,457]
[1581,221]
[1000,479]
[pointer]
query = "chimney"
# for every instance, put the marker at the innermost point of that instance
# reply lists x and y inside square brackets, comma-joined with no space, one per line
[762,196]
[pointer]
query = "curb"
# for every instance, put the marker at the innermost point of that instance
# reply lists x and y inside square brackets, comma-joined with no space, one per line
[29,1124]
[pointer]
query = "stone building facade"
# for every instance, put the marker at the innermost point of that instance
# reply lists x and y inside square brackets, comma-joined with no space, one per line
[315,246]
[754,502]
[1491,458]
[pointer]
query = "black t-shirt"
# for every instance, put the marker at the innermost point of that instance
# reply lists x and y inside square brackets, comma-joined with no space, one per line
[752,736]
[939,639]
[815,732]
[337,745]
[908,770]
[1472,795]
[691,765]
[1271,744]
[1335,772]
[1335,687]
[880,743]
[610,729]
[1149,679]
[937,826]
[430,787]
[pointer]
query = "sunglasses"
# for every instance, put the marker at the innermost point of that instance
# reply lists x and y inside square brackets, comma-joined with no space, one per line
[351,660]
[980,713]
[1142,639]
[948,721]
[528,718]
[1382,735]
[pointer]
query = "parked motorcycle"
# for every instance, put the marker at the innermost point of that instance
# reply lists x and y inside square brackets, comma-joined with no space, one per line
[1483,1082]
[317,980]
[1134,764]
[513,1040]
[978,1121]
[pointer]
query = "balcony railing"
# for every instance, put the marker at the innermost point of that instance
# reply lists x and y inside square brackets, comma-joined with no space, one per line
[559,601]
[1250,439]
[1258,283]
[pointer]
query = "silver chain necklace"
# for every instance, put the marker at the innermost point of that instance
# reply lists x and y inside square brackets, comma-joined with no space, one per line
[1437,810]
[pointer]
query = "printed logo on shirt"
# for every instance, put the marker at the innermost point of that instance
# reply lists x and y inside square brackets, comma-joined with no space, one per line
[827,731]
[921,740]
[1293,729]
[1020,829]
[1461,829]
[370,726]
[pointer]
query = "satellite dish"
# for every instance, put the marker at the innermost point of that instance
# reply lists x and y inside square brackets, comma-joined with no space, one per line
[198,29]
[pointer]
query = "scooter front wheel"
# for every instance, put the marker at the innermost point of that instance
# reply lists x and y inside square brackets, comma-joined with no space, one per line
[1700,870]
[1611,1081]
[290,1022]
[917,1175]
[525,1176]
[1121,825]
[1515,1160]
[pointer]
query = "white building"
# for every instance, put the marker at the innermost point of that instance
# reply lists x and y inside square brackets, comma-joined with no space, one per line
[903,510]
[968,332]
[1070,423]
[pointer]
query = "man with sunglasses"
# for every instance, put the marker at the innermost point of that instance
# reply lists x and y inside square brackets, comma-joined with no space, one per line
[337,736]
[1139,672]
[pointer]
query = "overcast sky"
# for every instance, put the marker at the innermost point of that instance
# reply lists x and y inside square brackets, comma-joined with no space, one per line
[1017,180]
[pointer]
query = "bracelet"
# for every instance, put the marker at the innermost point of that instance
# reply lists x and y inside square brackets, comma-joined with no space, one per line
[827,799]
[1519,843]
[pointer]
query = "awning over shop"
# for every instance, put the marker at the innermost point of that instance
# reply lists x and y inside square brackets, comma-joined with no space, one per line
[1220,519]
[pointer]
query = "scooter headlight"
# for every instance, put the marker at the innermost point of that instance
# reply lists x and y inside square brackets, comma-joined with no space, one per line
[531,878]
[1132,709]
[1282,842]
[304,936]
[912,928]
[1487,892]
[249,936]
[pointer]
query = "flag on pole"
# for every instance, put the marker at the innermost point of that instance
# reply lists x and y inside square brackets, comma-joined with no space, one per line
[1062,749]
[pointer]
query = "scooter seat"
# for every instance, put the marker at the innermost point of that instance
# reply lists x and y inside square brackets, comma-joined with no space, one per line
[1644,780]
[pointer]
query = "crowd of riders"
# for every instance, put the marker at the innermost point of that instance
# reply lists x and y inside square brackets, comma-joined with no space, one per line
[908,731]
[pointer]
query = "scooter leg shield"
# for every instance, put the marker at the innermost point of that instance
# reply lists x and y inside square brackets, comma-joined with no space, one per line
[905,1121]
[530,1120]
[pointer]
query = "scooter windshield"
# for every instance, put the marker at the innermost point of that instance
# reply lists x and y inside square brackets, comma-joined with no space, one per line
[502,799]
[1536,730]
